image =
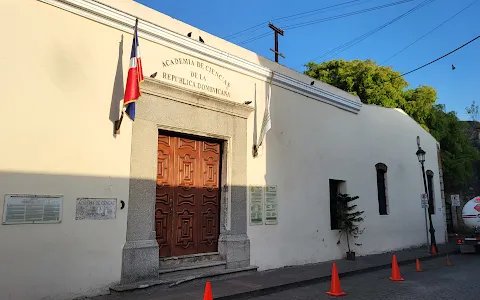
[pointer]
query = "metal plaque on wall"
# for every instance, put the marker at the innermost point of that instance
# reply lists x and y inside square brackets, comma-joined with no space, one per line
[96,209]
[271,205]
[256,205]
[32,209]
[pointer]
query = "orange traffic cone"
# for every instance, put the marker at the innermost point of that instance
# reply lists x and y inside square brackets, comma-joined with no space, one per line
[395,270]
[208,292]
[433,250]
[449,263]
[417,266]
[335,289]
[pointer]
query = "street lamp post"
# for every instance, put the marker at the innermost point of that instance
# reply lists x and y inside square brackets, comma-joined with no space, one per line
[421,158]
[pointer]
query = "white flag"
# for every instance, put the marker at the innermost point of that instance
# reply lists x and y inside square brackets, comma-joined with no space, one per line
[267,121]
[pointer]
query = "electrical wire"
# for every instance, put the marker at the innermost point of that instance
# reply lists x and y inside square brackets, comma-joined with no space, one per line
[303,24]
[441,57]
[315,12]
[364,36]
[286,17]
[411,44]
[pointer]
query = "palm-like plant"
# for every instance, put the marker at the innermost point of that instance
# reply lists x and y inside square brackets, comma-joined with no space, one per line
[349,218]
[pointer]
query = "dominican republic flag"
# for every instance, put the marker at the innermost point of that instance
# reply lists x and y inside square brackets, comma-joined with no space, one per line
[135,76]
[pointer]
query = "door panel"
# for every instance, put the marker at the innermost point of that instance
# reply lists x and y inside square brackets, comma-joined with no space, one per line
[209,194]
[185,197]
[164,194]
[187,210]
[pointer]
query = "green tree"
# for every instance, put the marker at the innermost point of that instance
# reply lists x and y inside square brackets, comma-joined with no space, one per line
[349,218]
[472,111]
[419,103]
[365,79]
[457,151]
[375,84]
[383,86]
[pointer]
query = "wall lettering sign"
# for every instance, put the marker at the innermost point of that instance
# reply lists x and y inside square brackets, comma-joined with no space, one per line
[201,76]
[96,208]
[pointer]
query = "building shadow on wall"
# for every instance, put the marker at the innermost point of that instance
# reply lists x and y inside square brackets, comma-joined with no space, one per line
[118,88]
[198,206]
[197,209]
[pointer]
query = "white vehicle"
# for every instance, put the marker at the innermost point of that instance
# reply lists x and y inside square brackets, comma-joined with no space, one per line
[471,218]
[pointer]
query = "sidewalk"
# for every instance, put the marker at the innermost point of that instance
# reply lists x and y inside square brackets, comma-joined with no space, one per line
[267,282]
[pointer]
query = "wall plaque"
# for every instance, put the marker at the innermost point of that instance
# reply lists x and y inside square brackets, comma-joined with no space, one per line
[96,209]
[271,205]
[32,209]
[256,205]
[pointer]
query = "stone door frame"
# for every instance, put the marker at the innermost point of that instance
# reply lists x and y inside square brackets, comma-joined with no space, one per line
[166,107]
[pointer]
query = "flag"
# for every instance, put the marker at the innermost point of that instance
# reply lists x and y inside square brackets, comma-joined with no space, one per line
[135,76]
[267,121]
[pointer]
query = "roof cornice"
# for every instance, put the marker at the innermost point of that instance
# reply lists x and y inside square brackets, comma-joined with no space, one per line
[118,19]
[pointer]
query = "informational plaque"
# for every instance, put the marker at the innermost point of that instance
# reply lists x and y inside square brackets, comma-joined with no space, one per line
[271,205]
[96,209]
[32,209]
[424,200]
[256,205]
[455,200]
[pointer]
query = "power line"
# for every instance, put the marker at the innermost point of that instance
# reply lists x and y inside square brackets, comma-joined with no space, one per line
[285,17]
[411,44]
[255,38]
[314,12]
[298,25]
[421,67]
[303,24]
[364,36]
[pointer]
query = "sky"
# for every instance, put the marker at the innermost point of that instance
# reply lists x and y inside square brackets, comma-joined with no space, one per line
[456,88]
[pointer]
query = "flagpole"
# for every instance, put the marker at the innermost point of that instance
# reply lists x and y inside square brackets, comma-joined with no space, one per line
[118,123]
[255,148]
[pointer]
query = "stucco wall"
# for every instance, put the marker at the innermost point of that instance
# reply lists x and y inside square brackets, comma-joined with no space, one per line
[310,143]
[58,86]
[65,76]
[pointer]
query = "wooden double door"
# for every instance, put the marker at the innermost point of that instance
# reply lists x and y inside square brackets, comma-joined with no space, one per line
[187,207]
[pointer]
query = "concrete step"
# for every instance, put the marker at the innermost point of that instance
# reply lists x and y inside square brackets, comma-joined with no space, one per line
[218,274]
[178,261]
[188,270]
[166,283]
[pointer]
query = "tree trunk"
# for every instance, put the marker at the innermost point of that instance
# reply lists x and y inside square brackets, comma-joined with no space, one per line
[348,243]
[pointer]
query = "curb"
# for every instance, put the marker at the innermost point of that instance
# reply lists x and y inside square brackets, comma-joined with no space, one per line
[307,282]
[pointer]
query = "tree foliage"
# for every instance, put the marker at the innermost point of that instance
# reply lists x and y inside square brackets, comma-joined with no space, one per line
[472,111]
[349,217]
[380,85]
[457,150]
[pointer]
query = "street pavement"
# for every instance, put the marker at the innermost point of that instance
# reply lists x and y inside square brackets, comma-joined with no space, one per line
[282,279]
[437,281]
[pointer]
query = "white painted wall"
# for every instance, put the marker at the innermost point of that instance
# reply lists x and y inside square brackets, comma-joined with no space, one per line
[311,142]
[57,138]
[60,73]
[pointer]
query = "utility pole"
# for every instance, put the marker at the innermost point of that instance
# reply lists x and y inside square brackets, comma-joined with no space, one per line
[276,31]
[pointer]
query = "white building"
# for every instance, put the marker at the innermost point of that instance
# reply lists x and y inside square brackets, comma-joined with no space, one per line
[177,181]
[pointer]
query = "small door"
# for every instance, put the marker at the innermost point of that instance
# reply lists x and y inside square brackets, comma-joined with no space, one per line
[188,196]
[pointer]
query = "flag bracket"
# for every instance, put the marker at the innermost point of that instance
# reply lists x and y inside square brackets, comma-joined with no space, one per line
[117,124]
[255,150]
